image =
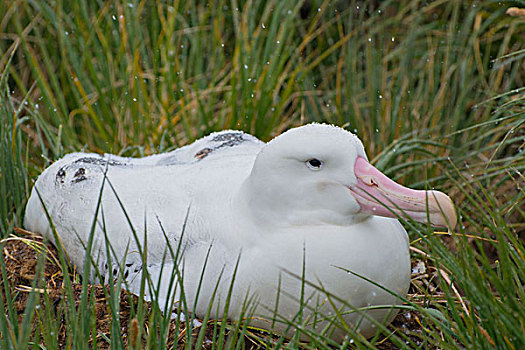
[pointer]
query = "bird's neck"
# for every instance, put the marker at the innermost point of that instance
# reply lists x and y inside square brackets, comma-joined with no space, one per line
[254,207]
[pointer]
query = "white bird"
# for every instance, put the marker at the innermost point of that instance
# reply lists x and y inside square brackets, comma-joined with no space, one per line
[228,200]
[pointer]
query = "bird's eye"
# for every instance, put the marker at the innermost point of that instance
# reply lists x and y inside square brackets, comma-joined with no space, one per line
[314,164]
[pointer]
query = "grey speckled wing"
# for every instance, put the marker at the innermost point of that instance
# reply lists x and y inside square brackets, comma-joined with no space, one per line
[208,146]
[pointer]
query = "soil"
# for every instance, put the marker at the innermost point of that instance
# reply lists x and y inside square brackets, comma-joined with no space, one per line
[21,256]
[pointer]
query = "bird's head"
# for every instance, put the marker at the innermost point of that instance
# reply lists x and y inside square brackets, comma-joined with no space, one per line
[319,174]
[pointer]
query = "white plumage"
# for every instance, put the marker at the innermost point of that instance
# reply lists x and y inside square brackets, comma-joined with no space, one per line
[267,206]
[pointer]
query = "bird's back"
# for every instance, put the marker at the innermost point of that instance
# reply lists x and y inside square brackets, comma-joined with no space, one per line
[155,195]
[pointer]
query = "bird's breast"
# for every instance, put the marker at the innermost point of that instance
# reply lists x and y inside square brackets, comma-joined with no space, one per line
[320,261]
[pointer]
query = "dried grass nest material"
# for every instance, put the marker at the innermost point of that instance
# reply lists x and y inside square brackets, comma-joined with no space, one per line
[21,254]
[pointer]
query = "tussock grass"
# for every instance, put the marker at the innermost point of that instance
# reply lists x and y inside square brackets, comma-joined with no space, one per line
[433,88]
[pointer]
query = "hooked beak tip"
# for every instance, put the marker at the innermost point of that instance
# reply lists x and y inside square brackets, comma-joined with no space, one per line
[443,209]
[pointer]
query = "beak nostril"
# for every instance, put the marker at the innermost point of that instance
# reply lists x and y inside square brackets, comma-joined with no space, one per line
[368,180]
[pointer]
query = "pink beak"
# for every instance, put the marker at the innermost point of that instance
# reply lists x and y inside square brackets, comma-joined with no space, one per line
[378,195]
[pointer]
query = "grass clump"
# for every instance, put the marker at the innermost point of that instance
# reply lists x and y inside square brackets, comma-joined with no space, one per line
[433,88]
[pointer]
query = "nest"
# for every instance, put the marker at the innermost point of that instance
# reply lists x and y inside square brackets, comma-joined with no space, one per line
[21,256]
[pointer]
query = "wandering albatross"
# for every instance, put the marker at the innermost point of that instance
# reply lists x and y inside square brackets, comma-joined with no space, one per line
[306,206]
